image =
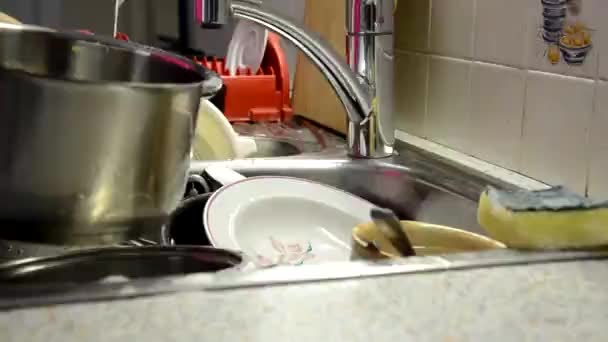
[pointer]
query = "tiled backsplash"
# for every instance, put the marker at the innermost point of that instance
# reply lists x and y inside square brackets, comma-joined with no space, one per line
[478,76]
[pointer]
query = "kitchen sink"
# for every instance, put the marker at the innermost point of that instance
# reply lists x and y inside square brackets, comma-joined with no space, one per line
[414,190]
[416,185]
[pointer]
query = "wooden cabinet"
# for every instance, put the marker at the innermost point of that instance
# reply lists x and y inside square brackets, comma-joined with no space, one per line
[313,96]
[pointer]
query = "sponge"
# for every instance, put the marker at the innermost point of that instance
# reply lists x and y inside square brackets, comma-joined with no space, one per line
[546,219]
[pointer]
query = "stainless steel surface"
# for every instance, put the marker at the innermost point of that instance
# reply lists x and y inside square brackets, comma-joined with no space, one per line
[141,242]
[288,138]
[15,250]
[389,224]
[268,147]
[370,134]
[214,12]
[96,135]
[370,54]
[117,264]
[412,185]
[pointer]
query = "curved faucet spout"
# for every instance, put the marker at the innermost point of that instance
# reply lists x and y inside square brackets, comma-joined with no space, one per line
[365,136]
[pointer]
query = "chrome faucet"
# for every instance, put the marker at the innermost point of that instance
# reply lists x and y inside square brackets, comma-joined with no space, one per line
[365,88]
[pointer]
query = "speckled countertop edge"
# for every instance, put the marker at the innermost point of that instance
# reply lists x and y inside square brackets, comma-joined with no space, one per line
[547,302]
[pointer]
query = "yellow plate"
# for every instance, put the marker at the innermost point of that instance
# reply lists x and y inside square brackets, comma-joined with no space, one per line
[5,18]
[428,239]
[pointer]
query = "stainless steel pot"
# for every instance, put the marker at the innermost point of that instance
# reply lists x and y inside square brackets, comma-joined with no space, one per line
[95,135]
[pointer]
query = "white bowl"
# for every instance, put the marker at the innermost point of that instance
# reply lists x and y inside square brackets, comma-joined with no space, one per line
[247,47]
[215,139]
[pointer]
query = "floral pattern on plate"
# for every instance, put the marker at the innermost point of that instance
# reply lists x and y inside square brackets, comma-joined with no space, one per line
[286,254]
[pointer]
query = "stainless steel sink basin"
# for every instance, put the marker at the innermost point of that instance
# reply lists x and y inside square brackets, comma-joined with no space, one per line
[408,184]
[269,147]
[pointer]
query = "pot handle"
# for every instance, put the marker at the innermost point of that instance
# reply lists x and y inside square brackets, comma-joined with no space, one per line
[224,175]
[211,85]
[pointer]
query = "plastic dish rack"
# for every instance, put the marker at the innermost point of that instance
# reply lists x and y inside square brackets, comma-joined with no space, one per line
[259,96]
[253,97]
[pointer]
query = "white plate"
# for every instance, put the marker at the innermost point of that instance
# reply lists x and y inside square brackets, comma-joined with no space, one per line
[247,47]
[284,221]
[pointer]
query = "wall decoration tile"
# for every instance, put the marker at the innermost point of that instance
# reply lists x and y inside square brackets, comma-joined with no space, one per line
[557,114]
[561,36]
[497,38]
[449,105]
[413,32]
[598,145]
[411,92]
[497,95]
[452,27]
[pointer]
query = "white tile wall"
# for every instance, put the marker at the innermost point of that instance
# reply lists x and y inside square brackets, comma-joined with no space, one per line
[497,39]
[410,92]
[558,109]
[493,93]
[452,27]
[413,33]
[449,102]
[496,114]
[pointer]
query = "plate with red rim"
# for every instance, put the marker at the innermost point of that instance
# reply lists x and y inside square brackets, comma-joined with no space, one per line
[282,220]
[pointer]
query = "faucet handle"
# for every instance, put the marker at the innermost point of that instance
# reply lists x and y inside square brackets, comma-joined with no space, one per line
[215,13]
[212,13]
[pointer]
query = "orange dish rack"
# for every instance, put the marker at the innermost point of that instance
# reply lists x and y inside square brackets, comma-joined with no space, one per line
[263,96]
[259,96]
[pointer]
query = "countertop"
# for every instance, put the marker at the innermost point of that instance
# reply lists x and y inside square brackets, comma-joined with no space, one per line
[545,302]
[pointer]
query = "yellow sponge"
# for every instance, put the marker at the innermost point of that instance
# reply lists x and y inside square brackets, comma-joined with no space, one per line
[547,219]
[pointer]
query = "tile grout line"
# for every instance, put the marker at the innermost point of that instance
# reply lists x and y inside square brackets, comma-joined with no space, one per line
[429,25]
[427,82]
[474,32]
[469,141]
[588,139]
[428,71]
[523,61]
[524,108]
[589,125]
[490,63]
